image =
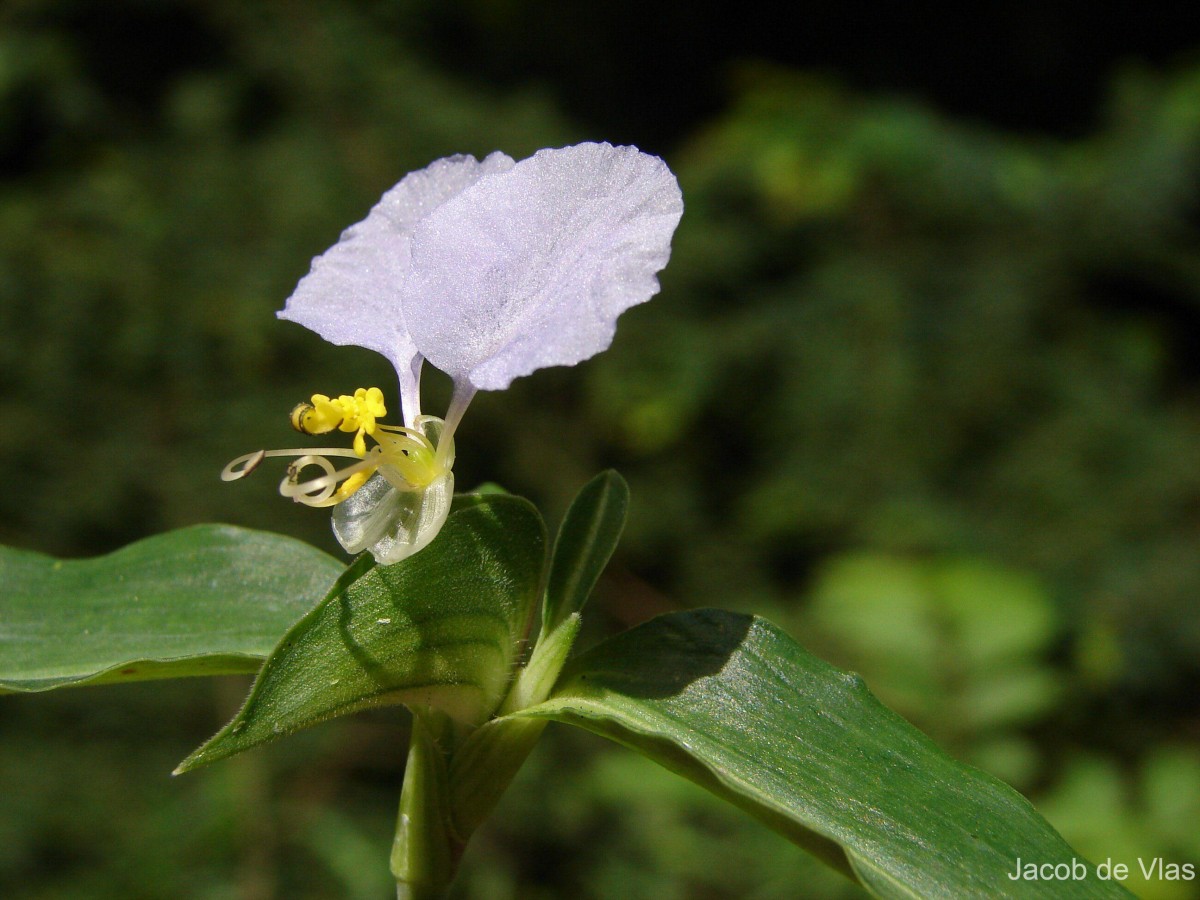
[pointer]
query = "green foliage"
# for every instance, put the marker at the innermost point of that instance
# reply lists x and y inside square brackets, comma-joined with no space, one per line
[727,700]
[883,331]
[957,646]
[1135,820]
[439,632]
[206,600]
[585,543]
[734,704]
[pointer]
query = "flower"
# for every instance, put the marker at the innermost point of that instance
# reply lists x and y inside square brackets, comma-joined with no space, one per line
[489,270]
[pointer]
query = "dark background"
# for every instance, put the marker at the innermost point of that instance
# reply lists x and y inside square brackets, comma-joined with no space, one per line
[921,386]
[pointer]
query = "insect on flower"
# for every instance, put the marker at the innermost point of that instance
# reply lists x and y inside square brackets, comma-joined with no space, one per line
[489,270]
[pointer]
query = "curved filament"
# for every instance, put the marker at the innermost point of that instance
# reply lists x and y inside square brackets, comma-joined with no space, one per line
[324,490]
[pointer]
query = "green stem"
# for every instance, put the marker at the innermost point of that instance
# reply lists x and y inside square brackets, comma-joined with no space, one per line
[424,856]
[453,781]
[487,761]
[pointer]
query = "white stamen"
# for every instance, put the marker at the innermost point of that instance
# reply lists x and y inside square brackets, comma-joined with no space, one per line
[243,465]
[318,491]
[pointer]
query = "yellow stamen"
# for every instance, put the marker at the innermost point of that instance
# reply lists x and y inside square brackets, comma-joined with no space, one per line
[356,412]
[409,453]
[324,490]
[352,484]
[407,457]
[319,416]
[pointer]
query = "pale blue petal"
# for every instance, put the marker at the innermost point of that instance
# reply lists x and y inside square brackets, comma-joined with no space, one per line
[352,294]
[531,267]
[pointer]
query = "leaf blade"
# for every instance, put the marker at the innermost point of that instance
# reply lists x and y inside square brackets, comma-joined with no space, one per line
[204,600]
[440,630]
[585,543]
[733,703]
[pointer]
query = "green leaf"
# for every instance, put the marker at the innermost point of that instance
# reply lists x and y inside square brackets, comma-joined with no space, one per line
[734,704]
[439,630]
[586,540]
[206,600]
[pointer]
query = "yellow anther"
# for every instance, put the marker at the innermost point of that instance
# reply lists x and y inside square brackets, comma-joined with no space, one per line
[361,410]
[347,413]
[318,416]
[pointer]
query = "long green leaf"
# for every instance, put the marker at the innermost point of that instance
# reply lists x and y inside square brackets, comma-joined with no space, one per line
[734,704]
[439,630]
[206,600]
[586,541]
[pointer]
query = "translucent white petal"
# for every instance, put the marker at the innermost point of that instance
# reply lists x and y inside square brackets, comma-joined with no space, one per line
[352,294]
[531,268]
[362,519]
[392,524]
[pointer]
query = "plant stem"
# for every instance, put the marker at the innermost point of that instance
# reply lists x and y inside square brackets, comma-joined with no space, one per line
[424,857]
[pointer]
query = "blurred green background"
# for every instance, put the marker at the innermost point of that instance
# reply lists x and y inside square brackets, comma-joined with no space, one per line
[921,386]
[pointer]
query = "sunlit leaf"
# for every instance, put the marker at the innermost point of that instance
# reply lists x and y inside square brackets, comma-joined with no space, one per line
[439,630]
[206,600]
[585,542]
[734,704]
